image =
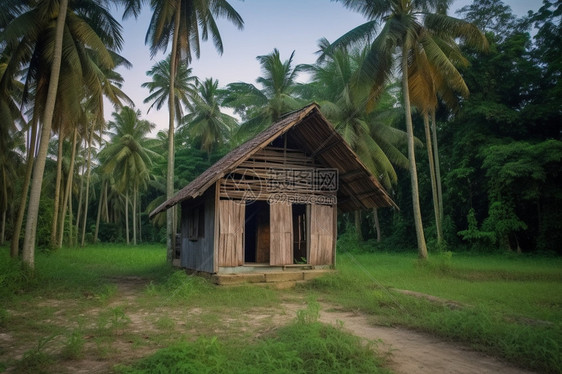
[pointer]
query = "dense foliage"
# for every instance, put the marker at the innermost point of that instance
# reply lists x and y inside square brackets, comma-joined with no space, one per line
[500,147]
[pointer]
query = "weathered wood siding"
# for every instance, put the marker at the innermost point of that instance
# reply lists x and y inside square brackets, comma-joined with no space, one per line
[276,174]
[199,254]
[231,232]
[281,234]
[321,234]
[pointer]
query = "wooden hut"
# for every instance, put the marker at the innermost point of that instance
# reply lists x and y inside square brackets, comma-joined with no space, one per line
[269,207]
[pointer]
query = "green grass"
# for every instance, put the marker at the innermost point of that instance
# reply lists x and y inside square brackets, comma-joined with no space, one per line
[71,308]
[304,346]
[83,270]
[511,305]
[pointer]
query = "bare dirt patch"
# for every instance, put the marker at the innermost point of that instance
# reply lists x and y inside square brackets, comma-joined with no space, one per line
[414,352]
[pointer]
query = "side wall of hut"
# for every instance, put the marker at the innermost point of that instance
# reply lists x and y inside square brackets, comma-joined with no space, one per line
[197,232]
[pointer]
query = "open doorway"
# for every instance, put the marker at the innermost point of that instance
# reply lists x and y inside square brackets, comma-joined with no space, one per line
[300,234]
[256,236]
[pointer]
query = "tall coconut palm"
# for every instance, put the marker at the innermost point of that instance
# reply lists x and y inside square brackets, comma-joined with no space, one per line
[262,106]
[404,22]
[206,125]
[183,23]
[159,86]
[79,29]
[343,100]
[428,83]
[128,158]
[28,252]
[111,82]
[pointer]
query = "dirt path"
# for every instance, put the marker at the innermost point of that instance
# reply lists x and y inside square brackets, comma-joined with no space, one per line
[407,351]
[413,352]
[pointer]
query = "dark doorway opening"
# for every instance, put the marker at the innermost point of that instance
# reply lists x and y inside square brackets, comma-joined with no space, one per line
[299,234]
[256,235]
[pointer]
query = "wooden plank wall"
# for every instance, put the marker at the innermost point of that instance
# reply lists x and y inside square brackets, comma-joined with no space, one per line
[271,171]
[231,233]
[281,234]
[321,235]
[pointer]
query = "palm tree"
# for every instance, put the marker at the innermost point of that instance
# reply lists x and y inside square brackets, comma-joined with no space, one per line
[405,22]
[344,101]
[28,252]
[260,107]
[159,87]
[427,84]
[184,21]
[128,158]
[206,125]
[85,29]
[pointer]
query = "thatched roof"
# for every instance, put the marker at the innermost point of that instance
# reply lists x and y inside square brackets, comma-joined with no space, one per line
[312,133]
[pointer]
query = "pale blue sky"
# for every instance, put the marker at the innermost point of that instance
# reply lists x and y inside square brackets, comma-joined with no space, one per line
[288,25]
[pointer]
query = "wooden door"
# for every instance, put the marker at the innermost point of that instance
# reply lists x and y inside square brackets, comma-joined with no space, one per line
[281,234]
[231,233]
[321,234]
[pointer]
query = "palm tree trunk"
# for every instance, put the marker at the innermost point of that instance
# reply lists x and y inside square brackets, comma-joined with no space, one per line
[377,224]
[4,208]
[171,237]
[88,172]
[28,252]
[358,231]
[53,241]
[127,215]
[437,169]
[3,229]
[105,204]
[14,246]
[68,193]
[432,177]
[70,217]
[80,198]
[422,247]
[135,215]
[140,221]
[102,190]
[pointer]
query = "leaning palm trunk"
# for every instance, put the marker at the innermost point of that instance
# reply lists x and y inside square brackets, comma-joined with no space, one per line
[68,193]
[53,241]
[28,253]
[437,171]
[103,193]
[80,198]
[170,175]
[432,176]
[14,247]
[422,248]
[87,193]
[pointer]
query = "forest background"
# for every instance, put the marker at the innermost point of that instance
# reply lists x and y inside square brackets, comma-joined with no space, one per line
[500,148]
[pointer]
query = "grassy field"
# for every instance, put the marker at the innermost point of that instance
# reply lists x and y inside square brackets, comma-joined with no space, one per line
[124,310]
[506,305]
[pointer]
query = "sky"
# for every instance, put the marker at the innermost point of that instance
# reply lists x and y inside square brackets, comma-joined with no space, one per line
[288,25]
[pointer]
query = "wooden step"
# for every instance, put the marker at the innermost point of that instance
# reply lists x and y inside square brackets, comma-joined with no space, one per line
[285,279]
